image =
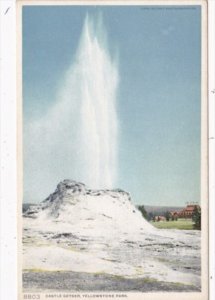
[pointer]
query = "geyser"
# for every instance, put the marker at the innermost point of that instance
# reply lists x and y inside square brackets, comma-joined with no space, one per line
[77,137]
[98,79]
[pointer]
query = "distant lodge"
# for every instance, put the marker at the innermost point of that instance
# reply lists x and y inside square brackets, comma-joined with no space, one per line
[185,213]
[188,211]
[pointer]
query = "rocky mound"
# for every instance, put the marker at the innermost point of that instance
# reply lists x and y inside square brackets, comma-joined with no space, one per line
[79,230]
[74,203]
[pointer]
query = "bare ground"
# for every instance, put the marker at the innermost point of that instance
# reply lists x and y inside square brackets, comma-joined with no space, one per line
[37,281]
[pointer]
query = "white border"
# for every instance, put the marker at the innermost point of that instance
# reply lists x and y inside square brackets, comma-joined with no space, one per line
[8,185]
[8,188]
[211,92]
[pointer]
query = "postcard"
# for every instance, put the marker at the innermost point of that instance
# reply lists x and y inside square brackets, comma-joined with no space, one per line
[112,134]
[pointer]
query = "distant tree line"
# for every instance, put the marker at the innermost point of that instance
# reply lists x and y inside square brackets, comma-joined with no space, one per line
[143,211]
[151,216]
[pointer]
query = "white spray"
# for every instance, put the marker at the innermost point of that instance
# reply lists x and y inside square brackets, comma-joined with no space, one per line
[98,119]
[77,138]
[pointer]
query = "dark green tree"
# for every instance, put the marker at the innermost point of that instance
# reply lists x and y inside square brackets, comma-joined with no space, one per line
[150,216]
[197,218]
[143,211]
[167,215]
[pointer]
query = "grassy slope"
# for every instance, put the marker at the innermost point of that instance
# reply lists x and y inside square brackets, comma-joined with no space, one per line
[180,224]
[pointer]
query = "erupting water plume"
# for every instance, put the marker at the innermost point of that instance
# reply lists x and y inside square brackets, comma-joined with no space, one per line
[78,136]
[98,120]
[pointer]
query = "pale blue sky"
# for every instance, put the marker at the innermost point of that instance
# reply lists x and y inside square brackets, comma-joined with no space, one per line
[158,99]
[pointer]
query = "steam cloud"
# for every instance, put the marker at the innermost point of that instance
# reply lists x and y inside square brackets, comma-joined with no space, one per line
[77,138]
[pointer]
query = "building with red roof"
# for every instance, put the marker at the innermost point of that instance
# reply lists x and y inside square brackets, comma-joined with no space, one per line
[188,211]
